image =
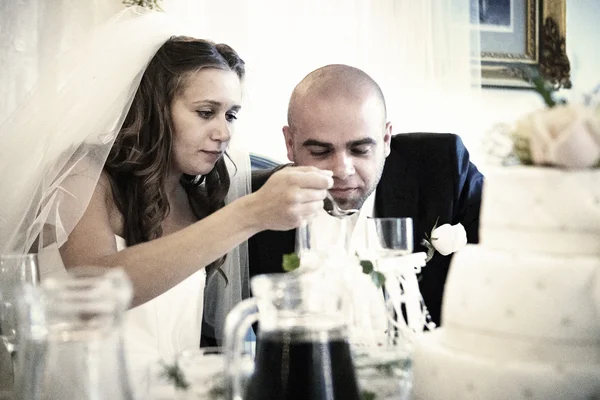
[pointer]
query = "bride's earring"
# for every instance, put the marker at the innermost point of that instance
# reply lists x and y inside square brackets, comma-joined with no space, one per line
[197,180]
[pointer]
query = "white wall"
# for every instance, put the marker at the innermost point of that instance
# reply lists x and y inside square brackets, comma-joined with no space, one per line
[499,105]
[583,32]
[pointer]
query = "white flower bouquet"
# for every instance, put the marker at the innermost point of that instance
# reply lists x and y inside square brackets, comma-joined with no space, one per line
[561,135]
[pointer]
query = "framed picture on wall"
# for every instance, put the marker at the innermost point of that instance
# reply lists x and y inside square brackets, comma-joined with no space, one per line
[520,34]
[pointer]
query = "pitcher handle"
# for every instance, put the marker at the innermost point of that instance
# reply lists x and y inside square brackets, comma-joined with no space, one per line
[237,323]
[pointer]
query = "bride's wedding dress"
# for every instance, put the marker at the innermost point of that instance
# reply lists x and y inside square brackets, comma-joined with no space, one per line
[164,326]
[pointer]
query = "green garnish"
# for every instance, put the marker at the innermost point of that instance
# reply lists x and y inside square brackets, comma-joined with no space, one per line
[290,262]
[174,374]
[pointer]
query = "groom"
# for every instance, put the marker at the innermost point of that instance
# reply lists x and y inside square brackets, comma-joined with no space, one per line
[337,121]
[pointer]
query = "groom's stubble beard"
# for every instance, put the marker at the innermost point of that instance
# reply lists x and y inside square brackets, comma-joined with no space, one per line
[360,202]
[357,203]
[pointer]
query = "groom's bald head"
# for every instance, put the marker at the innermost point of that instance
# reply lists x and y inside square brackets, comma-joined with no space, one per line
[333,82]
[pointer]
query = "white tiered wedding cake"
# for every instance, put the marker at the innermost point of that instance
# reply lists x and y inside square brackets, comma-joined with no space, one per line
[521,311]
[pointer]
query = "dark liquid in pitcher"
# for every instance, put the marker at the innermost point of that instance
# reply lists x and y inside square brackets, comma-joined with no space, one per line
[301,366]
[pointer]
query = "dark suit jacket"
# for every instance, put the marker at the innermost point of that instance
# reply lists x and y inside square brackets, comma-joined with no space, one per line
[426,176]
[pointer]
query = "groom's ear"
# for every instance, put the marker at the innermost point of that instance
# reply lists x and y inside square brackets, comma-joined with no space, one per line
[387,138]
[289,142]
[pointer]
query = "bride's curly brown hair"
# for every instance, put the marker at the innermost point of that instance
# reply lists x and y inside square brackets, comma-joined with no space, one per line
[139,160]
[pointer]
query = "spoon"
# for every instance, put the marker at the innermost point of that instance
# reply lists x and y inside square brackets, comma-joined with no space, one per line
[334,210]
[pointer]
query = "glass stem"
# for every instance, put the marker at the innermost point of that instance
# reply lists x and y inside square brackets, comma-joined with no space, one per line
[13,359]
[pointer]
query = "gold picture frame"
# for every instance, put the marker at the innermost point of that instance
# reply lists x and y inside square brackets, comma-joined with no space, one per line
[540,34]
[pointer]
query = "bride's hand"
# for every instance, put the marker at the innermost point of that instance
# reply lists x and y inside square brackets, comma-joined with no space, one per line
[291,195]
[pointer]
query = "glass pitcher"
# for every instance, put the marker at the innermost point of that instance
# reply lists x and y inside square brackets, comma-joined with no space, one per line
[302,349]
[70,336]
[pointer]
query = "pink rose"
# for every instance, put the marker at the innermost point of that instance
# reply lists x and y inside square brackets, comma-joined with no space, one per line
[565,135]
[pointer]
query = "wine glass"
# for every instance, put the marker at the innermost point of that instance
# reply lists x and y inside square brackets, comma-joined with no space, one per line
[388,240]
[322,239]
[202,369]
[16,270]
[389,237]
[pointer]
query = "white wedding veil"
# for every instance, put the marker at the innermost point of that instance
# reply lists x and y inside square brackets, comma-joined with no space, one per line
[54,145]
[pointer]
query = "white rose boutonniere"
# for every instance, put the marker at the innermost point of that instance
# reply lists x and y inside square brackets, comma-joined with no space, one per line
[445,239]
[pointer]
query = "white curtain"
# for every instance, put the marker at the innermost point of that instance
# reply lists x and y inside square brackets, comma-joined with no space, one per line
[33,32]
[420,52]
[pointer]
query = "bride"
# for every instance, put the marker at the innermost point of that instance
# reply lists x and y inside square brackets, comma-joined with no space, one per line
[131,161]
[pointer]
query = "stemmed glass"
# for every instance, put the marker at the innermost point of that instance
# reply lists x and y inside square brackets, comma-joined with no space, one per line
[203,369]
[317,243]
[16,270]
[388,240]
[389,237]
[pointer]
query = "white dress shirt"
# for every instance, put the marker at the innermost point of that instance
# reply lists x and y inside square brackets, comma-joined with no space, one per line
[330,227]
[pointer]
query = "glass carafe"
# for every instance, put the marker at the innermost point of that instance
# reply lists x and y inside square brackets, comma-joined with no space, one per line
[302,349]
[70,336]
